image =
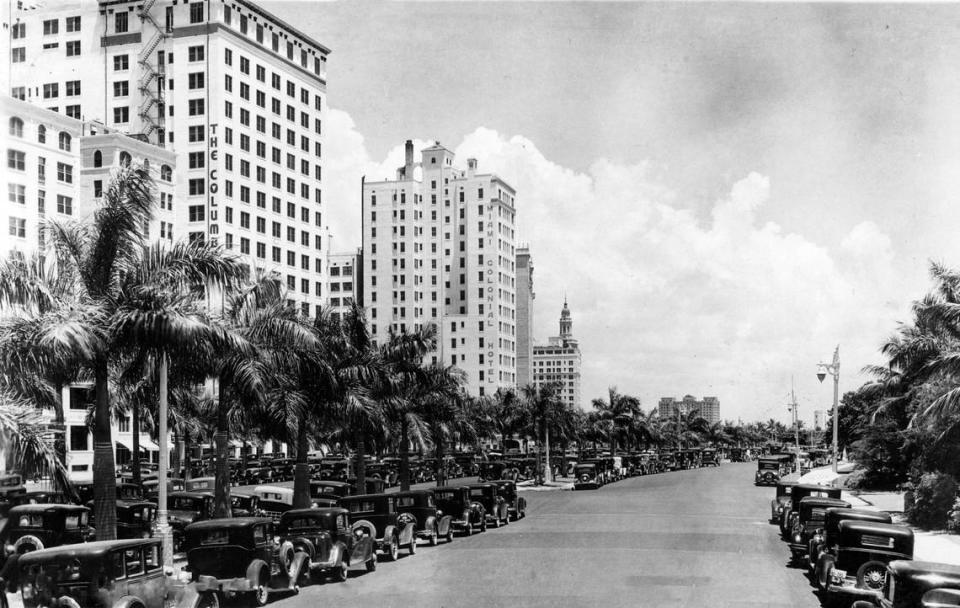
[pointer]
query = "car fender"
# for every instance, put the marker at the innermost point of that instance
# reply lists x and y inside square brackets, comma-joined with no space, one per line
[254,570]
[467,515]
[444,526]
[408,534]
[68,602]
[126,601]
[429,524]
[27,539]
[822,571]
[299,562]
[367,526]
[306,545]
[338,553]
[521,503]
[362,550]
[389,533]
[286,554]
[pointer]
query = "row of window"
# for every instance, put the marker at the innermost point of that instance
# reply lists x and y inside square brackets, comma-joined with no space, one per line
[318,61]
[19,54]
[64,139]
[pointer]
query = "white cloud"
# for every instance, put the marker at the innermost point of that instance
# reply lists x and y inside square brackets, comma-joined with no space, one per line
[666,302]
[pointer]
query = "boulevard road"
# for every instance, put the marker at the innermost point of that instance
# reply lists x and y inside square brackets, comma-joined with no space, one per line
[687,538]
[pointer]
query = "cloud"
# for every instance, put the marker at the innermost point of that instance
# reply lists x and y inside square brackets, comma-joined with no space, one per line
[667,301]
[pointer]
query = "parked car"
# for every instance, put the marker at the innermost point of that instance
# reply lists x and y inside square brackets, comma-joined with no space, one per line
[201,484]
[41,497]
[255,474]
[151,488]
[464,511]
[494,505]
[240,556]
[324,535]
[243,504]
[709,458]
[496,469]
[798,493]
[810,520]
[377,516]
[106,573]
[858,567]
[33,527]
[825,541]
[184,508]
[282,468]
[328,488]
[420,507]
[586,476]
[913,583]
[781,501]
[135,518]
[516,504]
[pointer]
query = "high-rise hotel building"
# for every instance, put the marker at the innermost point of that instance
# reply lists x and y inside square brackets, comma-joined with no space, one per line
[438,247]
[558,362]
[234,92]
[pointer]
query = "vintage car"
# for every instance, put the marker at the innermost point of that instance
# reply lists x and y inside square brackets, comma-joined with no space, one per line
[335,468]
[282,468]
[781,501]
[328,488]
[810,520]
[496,469]
[39,526]
[241,556]
[798,493]
[255,474]
[858,567]
[466,513]
[769,470]
[243,504]
[41,497]
[495,507]
[371,485]
[668,460]
[468,464]
[11,484]
[913,583]
[709,458]
[825,540]
[105,573]
[419,506]
[586,476]
[184,508]
[377,516]
[324,535]
[516,504]
[201,484]
[135,518]
[151,488]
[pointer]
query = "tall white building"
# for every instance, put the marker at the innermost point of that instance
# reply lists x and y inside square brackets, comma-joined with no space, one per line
[558,361]
[525,298]
[344,282]
[438,247]
[707,408]
[237,94]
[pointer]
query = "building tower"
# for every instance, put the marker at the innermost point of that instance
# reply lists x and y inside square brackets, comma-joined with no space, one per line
[558,362]
[566,323]
[525,296]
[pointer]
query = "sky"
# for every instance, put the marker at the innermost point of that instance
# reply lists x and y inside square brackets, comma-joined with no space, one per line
[724,192]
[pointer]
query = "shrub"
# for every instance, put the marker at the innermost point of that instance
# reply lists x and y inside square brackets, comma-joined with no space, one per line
[934,496]
[953,518]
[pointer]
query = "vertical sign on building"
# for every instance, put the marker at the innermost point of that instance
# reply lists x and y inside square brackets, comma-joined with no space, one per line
[491,292]
[213,229]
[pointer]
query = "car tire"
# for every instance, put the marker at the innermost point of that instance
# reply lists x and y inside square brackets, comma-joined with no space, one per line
[394,551]
[872,575]
[434,537]
[468,529]
[339,573]
[449,536]
[496,521]
[209,600]
[412,547]
[372,564]
[261,595]
[483,525]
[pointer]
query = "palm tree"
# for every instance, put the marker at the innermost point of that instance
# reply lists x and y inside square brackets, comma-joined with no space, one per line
[441,410]
[25,443]
[621,411]
[541,404]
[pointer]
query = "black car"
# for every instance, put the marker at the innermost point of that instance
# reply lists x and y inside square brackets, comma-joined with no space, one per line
[909,584]
[324,535]
[33,527]
[826,540]
[378,516]
[466,513]
[810,520]
[798,493]
[781,501]
[419,506]
[858,567]
[495,507]
[516,504]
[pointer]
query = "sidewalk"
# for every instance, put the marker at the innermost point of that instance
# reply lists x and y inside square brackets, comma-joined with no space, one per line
[931,546]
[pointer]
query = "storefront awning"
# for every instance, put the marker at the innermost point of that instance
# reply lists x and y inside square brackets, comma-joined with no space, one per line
[146,444]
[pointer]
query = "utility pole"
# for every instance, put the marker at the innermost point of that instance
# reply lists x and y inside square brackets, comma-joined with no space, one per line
[792,407]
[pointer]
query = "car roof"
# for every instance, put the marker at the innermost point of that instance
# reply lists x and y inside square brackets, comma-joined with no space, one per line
[189,494]
[317,511]
[277,489]
[329,482]
[46,506]
[822,501]
[233,523]
[414,493]
[91,549]
[949,573]
[813,487]
[356,497]
[875,527]
[135,503]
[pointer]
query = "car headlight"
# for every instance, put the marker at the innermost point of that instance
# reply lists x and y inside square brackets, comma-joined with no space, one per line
[837,576]
[817,539]
[9,549]
[26,590]
[184,576]
[797,538]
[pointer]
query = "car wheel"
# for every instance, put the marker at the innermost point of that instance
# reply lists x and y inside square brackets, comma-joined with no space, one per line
[434,537]
[394,551]
[339,573]
[412,547]
[261,594]
[483,525]
[449,536]
[872,575]
[496,521]
[372,564]
[209,600]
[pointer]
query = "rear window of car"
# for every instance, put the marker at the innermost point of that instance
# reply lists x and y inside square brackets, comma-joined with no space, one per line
[71,522]
[151,557]
[131,557]
[184,504]
[30,520]
[9,482]
[406,501]
[259,534]
[476,492]
[215,537]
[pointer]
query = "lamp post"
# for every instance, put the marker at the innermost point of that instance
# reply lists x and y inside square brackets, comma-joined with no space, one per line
[834,370]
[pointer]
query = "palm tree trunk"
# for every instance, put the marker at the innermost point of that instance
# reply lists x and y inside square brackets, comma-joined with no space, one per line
[104,468]
[301,472]
[175,457]
[361,465]
[186,456]
[221,501]
[135,428]
[60,441]
[438,454]
[404,456]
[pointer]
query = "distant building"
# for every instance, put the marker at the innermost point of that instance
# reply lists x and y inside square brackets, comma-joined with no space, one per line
[344,282]
[525,298]
[558,361]
[708,408]
[818,418]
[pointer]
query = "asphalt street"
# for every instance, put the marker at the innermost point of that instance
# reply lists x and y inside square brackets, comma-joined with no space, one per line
[688,538]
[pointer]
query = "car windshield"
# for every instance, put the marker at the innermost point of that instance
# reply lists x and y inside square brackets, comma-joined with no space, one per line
[215,537]
[183,503]
[769,465]
[476,492]
[304,522]
[8,482]
[406,501]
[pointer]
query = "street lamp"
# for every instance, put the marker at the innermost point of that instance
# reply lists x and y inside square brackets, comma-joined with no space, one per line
[834,370]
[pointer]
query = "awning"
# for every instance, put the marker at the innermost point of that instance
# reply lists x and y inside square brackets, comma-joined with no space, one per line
[146,444]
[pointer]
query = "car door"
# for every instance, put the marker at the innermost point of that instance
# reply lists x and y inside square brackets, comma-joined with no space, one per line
[146,581]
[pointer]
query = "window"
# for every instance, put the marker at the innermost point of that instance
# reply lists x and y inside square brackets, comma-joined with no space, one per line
[244,245]
[243,24]
[16,127]
[244,219]
[195,53]
[196,12]
[73,88]
[196,186]
[64,141]
[19,93]
[19,30]
[166,173]
[64,204]
[120,22]
[51,90]
[121,88]
[195,80]
[16,160]
[195,133]
[196,213]
[73,48]
[65,173]
[244,65]
[50,27]
[18,55]
[228,56]
[195,107]
[121,115]
[78,437]
[73,24]
[196,160]
[17,193]
[121,62]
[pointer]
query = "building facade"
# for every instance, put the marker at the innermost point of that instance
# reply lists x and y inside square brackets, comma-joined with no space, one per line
[707,408]
[558,362]
[344,282]
[438,247]
[525,296]
[235,93]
